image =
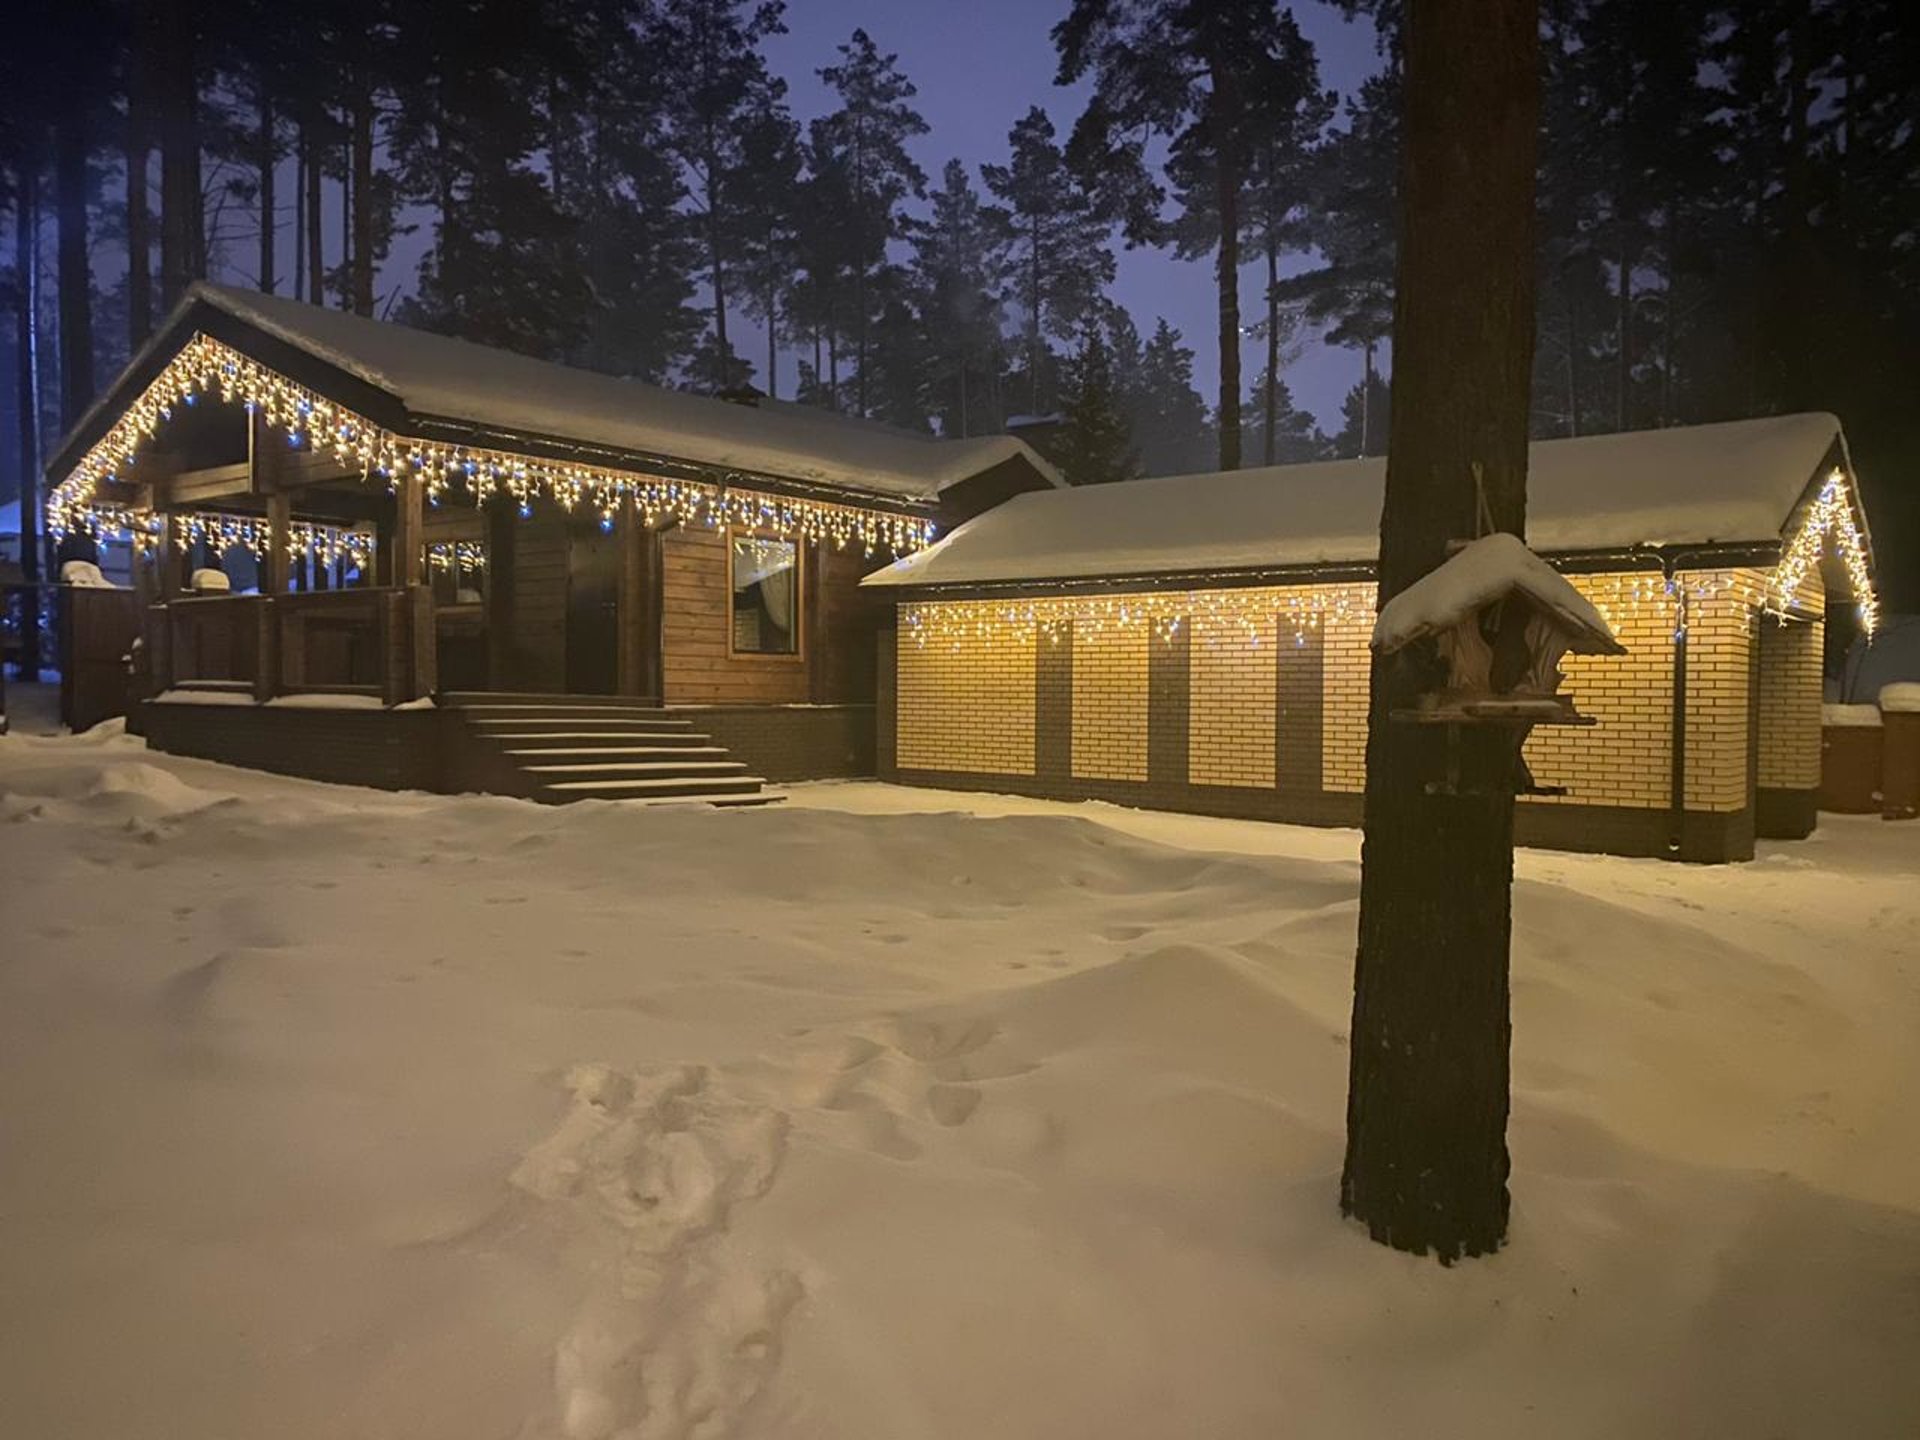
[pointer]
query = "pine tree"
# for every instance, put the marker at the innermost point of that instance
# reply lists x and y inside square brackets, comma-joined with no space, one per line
[768,207]
[1168,417]
[1191,71]
[1094,444]
[718,91]
[1366,412]
[1059,257]
[1294,436]
[503,266]
[1353,221]
[960,264]
[865,140]
[615,179]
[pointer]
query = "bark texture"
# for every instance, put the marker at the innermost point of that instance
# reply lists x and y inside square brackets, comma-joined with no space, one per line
[1426,1163]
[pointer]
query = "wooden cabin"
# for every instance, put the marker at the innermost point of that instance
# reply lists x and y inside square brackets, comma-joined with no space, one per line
[452,567]
[1201,642]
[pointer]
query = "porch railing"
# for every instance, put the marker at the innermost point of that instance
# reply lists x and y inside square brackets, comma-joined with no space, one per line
[376,641]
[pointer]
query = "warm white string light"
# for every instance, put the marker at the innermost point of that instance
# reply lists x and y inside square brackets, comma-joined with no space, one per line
[1295,612]
[207,368]
[1832,513]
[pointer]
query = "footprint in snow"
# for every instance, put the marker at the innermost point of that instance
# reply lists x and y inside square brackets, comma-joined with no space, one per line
[681,1333]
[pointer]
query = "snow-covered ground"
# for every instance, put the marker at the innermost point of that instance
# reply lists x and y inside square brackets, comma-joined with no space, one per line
[325,1113]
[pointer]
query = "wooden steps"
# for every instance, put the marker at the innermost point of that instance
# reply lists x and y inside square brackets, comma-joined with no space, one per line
[557,749]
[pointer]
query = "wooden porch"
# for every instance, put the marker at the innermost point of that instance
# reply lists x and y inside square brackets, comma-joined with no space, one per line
[452,595]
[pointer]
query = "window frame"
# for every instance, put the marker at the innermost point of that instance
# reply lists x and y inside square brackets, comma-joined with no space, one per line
[797,655]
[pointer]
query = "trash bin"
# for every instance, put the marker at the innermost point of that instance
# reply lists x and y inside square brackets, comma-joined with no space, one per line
[1900,751]
[1850,759]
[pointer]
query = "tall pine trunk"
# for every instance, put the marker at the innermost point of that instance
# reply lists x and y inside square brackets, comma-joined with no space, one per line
[265,161]
[717,269]
[1033,321]
[310,143]
[183,256]
[1623,326]
[76,273]
[363,197]
[346,215]
[139,226]
[773,327]
[300,215]
[1270,391]
[26,251]
[1223,109]
[1426,1162]
[1366,398]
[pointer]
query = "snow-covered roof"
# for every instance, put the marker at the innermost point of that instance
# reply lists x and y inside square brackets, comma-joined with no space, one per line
[1736,483]
[435,377]
[1491,567]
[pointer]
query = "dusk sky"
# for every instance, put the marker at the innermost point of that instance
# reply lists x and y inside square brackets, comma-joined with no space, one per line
[979,64]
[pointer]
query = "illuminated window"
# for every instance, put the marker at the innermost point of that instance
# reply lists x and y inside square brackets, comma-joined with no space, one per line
[457,571]
[766,595]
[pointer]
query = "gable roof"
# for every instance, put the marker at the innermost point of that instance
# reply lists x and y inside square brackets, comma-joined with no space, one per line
[433,386]
[1729,484]
[1486,570]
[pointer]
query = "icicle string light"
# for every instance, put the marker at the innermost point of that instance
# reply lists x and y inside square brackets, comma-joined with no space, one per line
[1294,612]
[221,532]
[1832,513]
[207,368]
[1300,610]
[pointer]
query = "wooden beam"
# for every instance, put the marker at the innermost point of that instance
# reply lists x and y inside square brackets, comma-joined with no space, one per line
[190,487]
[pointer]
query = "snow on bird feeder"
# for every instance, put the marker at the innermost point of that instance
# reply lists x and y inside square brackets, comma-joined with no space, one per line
[1468,605]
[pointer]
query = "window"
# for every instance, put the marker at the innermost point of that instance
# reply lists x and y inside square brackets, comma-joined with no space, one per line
[766,595]
[457,571]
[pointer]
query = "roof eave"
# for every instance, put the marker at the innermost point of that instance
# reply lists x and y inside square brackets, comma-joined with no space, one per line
[1707,555]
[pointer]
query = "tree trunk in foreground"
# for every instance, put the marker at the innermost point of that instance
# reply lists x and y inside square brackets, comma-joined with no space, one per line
[1426,1162]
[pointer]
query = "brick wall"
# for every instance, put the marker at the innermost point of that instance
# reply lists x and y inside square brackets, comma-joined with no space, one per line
[1720,683]
[1230,677]
[1269,717]
[1343,690]
[965,695]
[1627,759]
[1110,701]
[1790,674]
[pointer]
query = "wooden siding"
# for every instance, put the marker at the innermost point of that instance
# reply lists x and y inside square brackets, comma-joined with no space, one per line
[837,622]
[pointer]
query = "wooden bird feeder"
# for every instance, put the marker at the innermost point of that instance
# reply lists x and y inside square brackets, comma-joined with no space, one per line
[1470,604]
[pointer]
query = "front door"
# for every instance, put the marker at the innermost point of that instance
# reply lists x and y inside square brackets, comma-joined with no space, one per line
[593,589]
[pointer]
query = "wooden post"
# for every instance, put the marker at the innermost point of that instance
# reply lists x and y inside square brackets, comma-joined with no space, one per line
[424,666]
[395,648]
[159,633]
[168,559]
[409,530]
[630,602]
[279,574]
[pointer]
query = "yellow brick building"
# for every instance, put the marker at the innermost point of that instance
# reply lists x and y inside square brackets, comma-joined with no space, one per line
[1203,642]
